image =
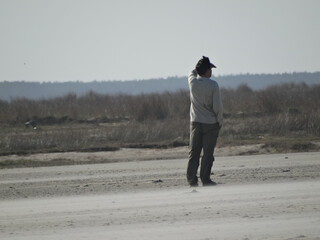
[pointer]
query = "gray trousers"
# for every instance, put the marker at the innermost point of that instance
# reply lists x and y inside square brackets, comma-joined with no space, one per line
[202,136]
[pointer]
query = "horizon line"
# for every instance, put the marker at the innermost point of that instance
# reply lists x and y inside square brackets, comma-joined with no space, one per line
[156,78]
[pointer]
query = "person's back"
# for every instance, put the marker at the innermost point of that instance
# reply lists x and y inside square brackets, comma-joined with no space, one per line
[205,100]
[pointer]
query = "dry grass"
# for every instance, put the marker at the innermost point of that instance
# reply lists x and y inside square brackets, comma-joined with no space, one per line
[284,116]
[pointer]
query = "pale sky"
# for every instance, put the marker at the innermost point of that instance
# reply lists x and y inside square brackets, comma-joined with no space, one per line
[69,40]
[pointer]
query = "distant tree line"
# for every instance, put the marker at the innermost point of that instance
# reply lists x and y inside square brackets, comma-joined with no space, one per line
[47,90]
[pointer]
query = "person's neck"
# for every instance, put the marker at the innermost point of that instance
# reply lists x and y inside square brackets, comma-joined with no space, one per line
[204,76]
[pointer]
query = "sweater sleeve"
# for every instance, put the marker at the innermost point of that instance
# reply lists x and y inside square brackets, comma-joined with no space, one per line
[192,75]
[217,105]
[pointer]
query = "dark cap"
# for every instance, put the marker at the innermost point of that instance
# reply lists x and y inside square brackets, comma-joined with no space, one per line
[203,65]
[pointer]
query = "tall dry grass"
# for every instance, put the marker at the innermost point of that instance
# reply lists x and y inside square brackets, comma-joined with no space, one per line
[140,108]
[95,121]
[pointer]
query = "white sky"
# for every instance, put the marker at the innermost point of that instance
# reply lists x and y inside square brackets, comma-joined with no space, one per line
[67,40]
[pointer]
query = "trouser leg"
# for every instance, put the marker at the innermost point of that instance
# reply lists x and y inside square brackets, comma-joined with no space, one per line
[209,139]
[194,152]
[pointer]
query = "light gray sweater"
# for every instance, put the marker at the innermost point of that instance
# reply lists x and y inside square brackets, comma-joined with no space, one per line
[206,104]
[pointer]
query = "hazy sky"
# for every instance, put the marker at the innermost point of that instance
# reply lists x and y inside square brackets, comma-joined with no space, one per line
[67,40]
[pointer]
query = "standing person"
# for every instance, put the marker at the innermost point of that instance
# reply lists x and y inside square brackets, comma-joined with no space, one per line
[205,121]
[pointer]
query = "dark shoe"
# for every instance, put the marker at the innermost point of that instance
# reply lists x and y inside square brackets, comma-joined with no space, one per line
[209,183]
[193,184]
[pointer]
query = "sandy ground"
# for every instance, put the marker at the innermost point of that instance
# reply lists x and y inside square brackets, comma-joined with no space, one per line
[275,196]
[126,154]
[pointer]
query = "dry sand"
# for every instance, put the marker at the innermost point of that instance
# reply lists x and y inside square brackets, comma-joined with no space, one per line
[125,155]
[275,196]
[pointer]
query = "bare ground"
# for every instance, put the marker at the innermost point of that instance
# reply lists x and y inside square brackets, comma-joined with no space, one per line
[122,155]
[271,196]
[142,174]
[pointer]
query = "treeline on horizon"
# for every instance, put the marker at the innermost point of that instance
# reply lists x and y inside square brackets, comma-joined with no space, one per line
[48,90]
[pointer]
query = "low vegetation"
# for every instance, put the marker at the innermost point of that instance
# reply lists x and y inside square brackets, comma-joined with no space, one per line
[285,117]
